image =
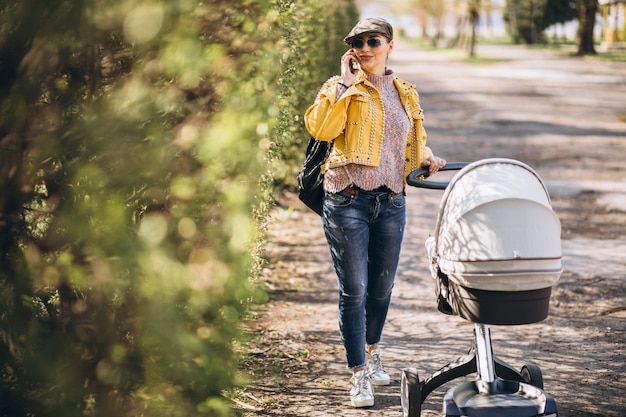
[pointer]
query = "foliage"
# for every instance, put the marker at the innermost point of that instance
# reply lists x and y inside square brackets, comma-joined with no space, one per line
[132,140]
[312,32]
[425,10]
[527,19]
[559,11]
[524,20]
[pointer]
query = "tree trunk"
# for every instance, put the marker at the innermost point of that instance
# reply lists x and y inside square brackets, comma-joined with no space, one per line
[587,20]
[473,24]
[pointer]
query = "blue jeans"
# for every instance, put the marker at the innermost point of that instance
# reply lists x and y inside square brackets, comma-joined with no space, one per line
[364,231]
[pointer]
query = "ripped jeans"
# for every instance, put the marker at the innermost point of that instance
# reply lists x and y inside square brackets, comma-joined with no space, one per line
[364,230]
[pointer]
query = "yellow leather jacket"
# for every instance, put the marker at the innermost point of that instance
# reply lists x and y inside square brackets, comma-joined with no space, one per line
[355,123]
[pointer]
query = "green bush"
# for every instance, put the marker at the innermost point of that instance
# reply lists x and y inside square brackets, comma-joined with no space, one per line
[132,139]
[135,179]
[312,33]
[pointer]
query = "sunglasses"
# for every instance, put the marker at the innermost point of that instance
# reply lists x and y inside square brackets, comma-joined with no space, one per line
[359,43]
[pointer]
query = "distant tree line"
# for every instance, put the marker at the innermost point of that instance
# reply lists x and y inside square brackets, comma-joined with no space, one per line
[526,20]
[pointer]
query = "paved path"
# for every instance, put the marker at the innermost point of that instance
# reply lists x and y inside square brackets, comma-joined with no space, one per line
[547,102]
[559,115]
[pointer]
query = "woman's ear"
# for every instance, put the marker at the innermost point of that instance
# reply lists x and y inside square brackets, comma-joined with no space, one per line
[390,48]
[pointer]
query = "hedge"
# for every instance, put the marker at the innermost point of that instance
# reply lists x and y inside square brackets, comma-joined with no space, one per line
[140,143]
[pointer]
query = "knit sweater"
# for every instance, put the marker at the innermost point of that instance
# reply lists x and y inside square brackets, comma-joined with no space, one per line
[396,129]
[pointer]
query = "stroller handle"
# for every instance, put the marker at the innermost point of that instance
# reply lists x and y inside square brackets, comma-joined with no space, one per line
[417,177]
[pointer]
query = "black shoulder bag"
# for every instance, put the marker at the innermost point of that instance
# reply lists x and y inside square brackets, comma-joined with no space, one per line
[311,179]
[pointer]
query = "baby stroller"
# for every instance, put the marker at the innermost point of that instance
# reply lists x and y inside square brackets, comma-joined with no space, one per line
[495,255]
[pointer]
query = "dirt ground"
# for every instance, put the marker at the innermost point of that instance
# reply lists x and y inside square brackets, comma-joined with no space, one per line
[558,114]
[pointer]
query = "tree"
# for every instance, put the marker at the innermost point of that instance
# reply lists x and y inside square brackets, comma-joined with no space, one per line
[559,11]
[473,11]
[525,19]
[586,24]
[468,19]
[426,10]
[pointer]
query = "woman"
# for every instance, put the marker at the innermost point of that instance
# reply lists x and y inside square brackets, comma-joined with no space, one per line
[374,120]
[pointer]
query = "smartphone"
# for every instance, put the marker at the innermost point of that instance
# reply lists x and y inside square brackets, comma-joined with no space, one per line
[353,65]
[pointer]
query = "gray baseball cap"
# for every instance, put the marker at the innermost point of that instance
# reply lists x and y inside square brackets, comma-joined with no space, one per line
[369,26]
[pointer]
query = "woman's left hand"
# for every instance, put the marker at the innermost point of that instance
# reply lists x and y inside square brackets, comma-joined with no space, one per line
[434,164]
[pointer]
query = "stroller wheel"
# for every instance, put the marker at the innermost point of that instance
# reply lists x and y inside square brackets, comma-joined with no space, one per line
[532,375]
[410,393]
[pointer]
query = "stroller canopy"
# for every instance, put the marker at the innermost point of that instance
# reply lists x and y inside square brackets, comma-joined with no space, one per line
[496,229]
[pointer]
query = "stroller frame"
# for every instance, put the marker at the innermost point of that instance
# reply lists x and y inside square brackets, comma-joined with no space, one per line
[498,390]
[499,387]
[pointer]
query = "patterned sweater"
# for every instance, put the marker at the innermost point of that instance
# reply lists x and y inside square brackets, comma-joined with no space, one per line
[396,129]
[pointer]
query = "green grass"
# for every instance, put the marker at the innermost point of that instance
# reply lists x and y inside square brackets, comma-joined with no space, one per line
[614,56]
[458,54]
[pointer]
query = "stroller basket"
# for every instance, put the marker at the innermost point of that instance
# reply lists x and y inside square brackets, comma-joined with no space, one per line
[496,250]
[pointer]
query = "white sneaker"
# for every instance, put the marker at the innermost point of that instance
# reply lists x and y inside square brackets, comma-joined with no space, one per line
[362,393]
[377,373]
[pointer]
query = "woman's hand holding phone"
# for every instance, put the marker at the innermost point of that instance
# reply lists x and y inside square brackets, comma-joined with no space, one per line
[349,67]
